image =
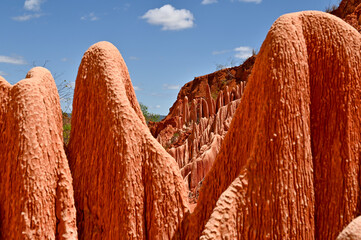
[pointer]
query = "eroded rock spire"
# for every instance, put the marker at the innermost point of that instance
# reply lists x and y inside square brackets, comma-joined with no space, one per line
[289,165]
[126,185]
[36,194]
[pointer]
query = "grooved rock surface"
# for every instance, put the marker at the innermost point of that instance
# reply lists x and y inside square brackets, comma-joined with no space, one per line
[289,165]
[36,194]
[196,153]
[126,185]
[204,86]
[194,134]
[193,130]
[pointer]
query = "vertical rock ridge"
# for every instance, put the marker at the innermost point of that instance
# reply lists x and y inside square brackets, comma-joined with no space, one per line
[294,145]
[36,197]
[126,185]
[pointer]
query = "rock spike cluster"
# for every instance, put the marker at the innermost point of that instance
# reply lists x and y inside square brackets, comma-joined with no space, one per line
[290,169]
[197,153]
[206,124]
[126,184]
[36,195]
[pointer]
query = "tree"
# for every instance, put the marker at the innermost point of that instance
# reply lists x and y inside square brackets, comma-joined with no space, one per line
[147,115]
[66,92]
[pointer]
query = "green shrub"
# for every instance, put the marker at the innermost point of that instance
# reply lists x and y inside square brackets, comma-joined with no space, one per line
[147,115]
[66,127]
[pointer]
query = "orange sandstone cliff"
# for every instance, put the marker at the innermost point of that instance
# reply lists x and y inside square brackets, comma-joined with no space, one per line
[289,165]
[126,185]
[36,194]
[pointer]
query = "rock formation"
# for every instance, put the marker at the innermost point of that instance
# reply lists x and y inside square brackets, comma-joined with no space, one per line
[350,12]
[126,185]
[216,84]
[36,195]
[193,131]
[196,152]
[289,165]
[204,87]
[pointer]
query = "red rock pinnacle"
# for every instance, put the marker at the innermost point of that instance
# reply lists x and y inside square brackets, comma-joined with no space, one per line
[289,165]
[126,185]
[36,194]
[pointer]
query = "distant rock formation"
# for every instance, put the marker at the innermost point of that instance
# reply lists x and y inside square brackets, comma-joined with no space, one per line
[193,130]
[196,153]
[36,194]
[289,165]
[350,12]
[202,86]
[126,185]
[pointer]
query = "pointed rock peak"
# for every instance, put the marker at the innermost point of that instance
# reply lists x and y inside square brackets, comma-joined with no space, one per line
[115,161]
[299,140]
[36,196]
[106,56]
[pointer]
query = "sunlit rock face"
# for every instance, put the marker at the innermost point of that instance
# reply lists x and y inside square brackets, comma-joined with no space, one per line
[199,119]
[278,159]
[289,165]
[126,185]
[36,194]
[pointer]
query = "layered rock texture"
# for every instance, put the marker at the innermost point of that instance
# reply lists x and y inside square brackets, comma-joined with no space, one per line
[194,129]
[201,134]
[36,194]
[289,165]
[350,12]
[177,131]
[206,87]
[126,185]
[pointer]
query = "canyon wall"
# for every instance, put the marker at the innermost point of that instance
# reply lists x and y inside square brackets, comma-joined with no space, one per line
[197,122]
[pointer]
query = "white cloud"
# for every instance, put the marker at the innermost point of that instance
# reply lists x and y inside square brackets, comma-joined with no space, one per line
[26,17]
[250,1]
[64,59]
[209,1]
[170,18]
[157,106]
[2,73]
[33,5]
[136,88]
[170,87]
[220,52]
[89,17]
[243,52]
[12,60]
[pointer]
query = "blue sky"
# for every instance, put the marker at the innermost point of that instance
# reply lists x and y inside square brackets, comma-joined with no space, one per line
[165,44]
